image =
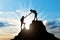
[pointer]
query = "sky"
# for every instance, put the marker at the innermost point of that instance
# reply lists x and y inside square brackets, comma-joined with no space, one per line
[51,8]
[12,10]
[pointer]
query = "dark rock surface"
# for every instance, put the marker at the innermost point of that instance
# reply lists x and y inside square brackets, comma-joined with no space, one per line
[37,31]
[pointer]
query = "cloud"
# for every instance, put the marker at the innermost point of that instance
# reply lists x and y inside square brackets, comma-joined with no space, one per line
[8,14]
[53,27]
[52,23]
[1,12]
[14,14]
[10,27]
[2,24]
[58,19]
[23,12]
[7,22]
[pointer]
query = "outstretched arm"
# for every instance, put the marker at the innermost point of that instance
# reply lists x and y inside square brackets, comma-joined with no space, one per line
[27,15]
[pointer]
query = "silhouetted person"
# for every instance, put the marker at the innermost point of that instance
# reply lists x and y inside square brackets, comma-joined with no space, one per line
[22,21]
[34,11]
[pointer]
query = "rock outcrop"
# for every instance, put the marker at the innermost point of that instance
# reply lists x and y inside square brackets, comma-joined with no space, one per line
[37,31]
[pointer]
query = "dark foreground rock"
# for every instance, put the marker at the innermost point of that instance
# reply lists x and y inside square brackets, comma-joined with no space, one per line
[37,31]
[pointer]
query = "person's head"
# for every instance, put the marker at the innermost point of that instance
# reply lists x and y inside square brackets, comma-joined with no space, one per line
[22,16]
[31,10]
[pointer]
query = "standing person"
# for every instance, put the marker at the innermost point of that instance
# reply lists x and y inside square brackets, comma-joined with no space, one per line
[34,11]
[22,21]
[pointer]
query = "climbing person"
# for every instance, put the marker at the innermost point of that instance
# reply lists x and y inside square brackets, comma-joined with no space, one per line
[35,12]
[22,21]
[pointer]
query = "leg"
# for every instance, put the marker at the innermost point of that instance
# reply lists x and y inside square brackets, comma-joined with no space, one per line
[21,26]
[34,17]
[24,25]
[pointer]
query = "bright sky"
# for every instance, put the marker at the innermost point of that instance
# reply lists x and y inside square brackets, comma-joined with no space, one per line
[51,8]
[12,10]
